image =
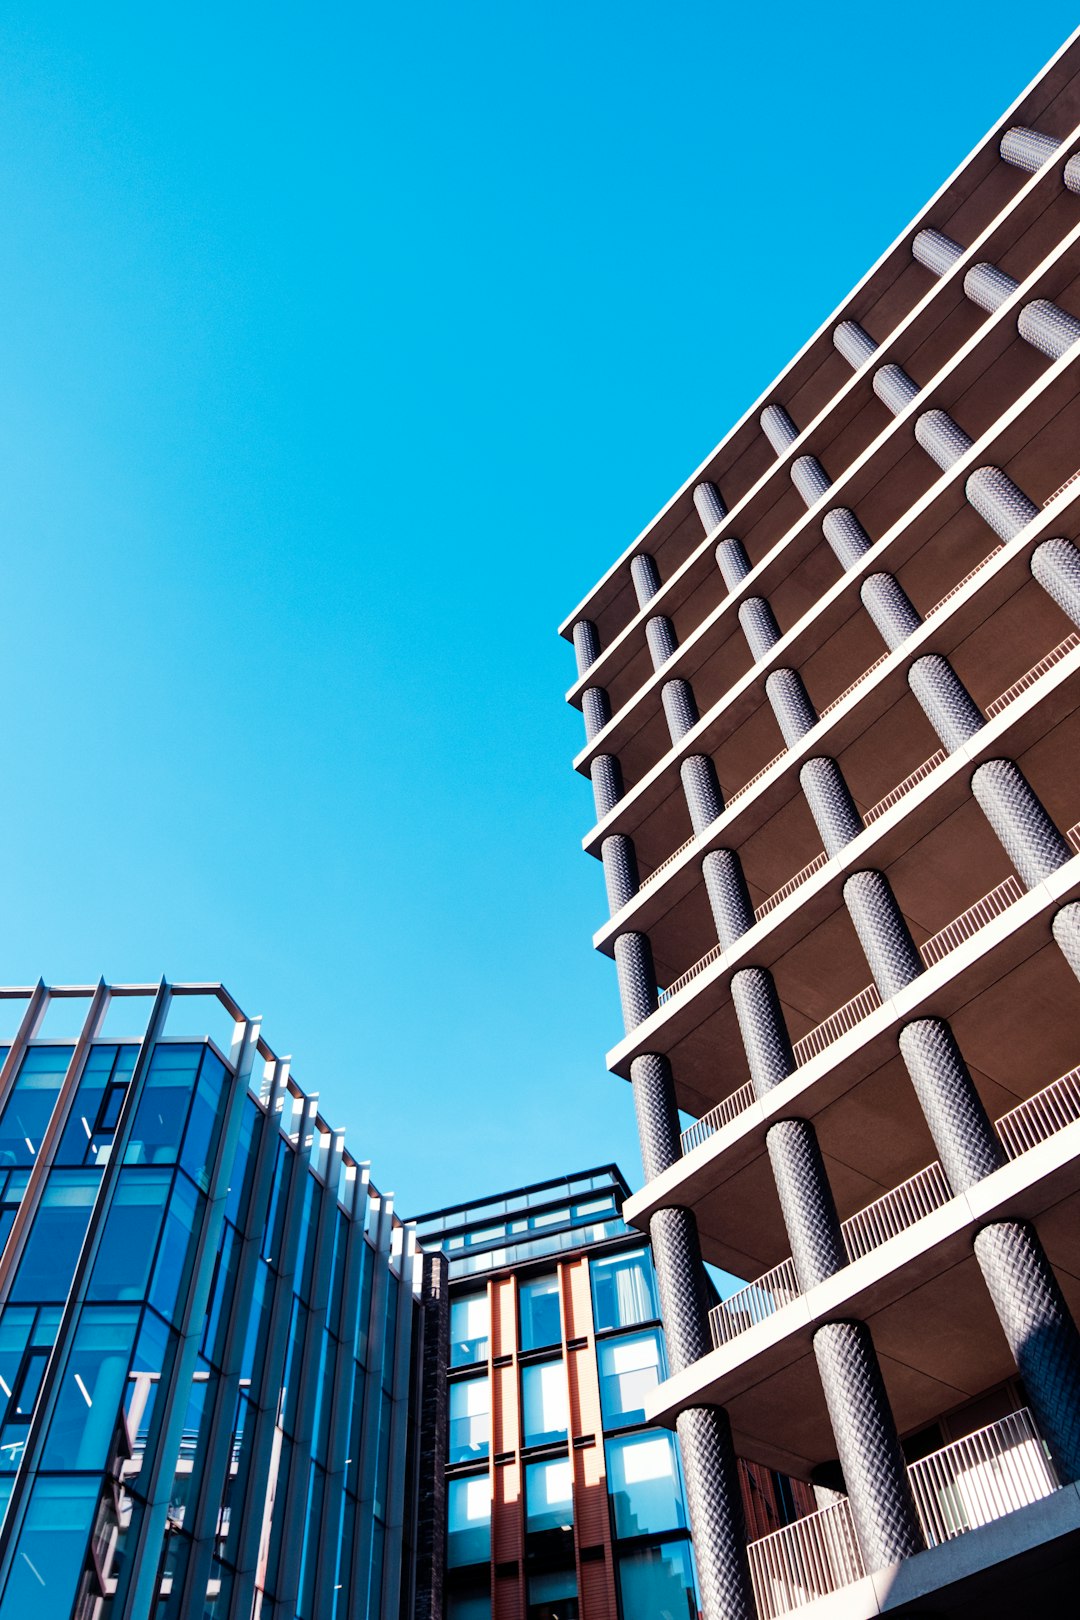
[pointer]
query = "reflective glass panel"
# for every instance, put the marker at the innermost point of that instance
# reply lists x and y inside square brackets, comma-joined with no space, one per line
[657,1582]
[126,1252]
[629,1368]
[468,1521]
[51,1547]
[48,1263]
[29,1108]
[470,1326]
[624,1290]
[543,1401]
[470,1422]
[177,1249]
[81,1434]
[158,1128]
[553,1595]
[91,1122]
[468,1605]
[538,1313]
[200,1138]
[549,1495]
[645,1485]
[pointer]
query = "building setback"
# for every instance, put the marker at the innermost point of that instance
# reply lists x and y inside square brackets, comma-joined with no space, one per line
[562,1502]
[832,708]
[206,1322]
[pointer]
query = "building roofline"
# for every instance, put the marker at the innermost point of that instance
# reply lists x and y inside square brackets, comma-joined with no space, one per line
[611,1170]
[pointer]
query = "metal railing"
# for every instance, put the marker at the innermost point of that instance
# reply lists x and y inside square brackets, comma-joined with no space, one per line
[972,920]
[1011,693]
[756,778]
[846,693]
[838,1023]
[919,774]
[982,1477]
[1038,1118]
[793,883]
[664,864]
[684,979]
[719,1116]
[972,1482]
[805,1561]
[1069,482]
[958,587]
[753,1304]
[896,1211]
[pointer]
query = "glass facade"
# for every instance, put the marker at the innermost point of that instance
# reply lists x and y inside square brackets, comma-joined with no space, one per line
[205,1340]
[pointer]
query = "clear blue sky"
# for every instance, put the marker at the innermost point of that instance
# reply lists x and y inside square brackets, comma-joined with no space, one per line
[340,350]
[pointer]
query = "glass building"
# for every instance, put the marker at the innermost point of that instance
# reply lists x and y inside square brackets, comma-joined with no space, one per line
[207,1315]
[561,1501]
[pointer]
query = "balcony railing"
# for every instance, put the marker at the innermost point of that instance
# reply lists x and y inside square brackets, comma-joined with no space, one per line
[978,1479]
[969,922]
[754,1304]
[981,1478]
[805,1561]
[719,1116]
[1042,1116]
[1011,693]
[893,1213]
[837,1024]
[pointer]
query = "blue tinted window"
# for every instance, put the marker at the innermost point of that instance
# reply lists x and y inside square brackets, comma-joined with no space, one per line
[159,1123]
[91,1122]
[549,1495]
[470,1419]
[538,1311]
[243,1165]
[129,1240]
[82,1432]
[177,1252]
[13,1184]
[470,1326]
[630,1368]
[48,1264]
[657,1580]
[645,1484]
[51,1547]
[624,1290]
[468,1521]
[207,1107]
[29,1108]
[543,1403]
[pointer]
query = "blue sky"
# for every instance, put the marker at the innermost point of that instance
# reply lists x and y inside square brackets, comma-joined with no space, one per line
[340,351]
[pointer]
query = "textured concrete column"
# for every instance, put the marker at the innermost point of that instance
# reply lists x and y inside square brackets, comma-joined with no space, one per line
[778,428]
[846,535]
[999,502]
[586,645]
[637,979]
[1026,148]
[1056,566]
[596,709]
[854,343]
[429,1555]
[790,701]
[680,710]
[657,1113]
[729,897]
[936,252]
[1066,929]
[607,784]
[892,610]
[759,625]
[1019,820]
[891,953]
[681,1278]
[810,479]
[895,388]
[1048,328]
[967,1144]
[945,700]
[732,561]
[662,640]
[806,1201]
[701,788]
[988,286]
[645,577]
[710,505]
[717,1520]
[871,1458]
[943,439]
[761,1024]
[620,871]
[1041,1333]
[1071,177]
[835,813]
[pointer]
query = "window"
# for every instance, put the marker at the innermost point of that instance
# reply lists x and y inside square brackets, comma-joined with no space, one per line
[538,1311]
[624,1290]
[629,1369]
[82,1431]
[129,1240]
[51,1546]
[91,1123]
[645,1485]
[52,1250]
[473,1603]
[543,1400]
[658,1581]
[470,1327]
[549,1495]
[468,1521]
[470,1422]
[29,1108]
[553,1595]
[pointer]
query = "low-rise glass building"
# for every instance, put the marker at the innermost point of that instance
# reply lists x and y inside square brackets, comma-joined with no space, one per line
[206,1322]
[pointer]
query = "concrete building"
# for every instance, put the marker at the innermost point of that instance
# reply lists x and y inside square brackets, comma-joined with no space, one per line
[562,1502]
[832,707]
[207,1318]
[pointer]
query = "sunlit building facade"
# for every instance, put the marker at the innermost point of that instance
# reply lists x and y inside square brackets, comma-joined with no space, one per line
[562,1502]
[831,698]
[207,1315]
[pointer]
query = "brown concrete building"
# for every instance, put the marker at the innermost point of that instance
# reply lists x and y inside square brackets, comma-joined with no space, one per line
[563,1503]
[832,706]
